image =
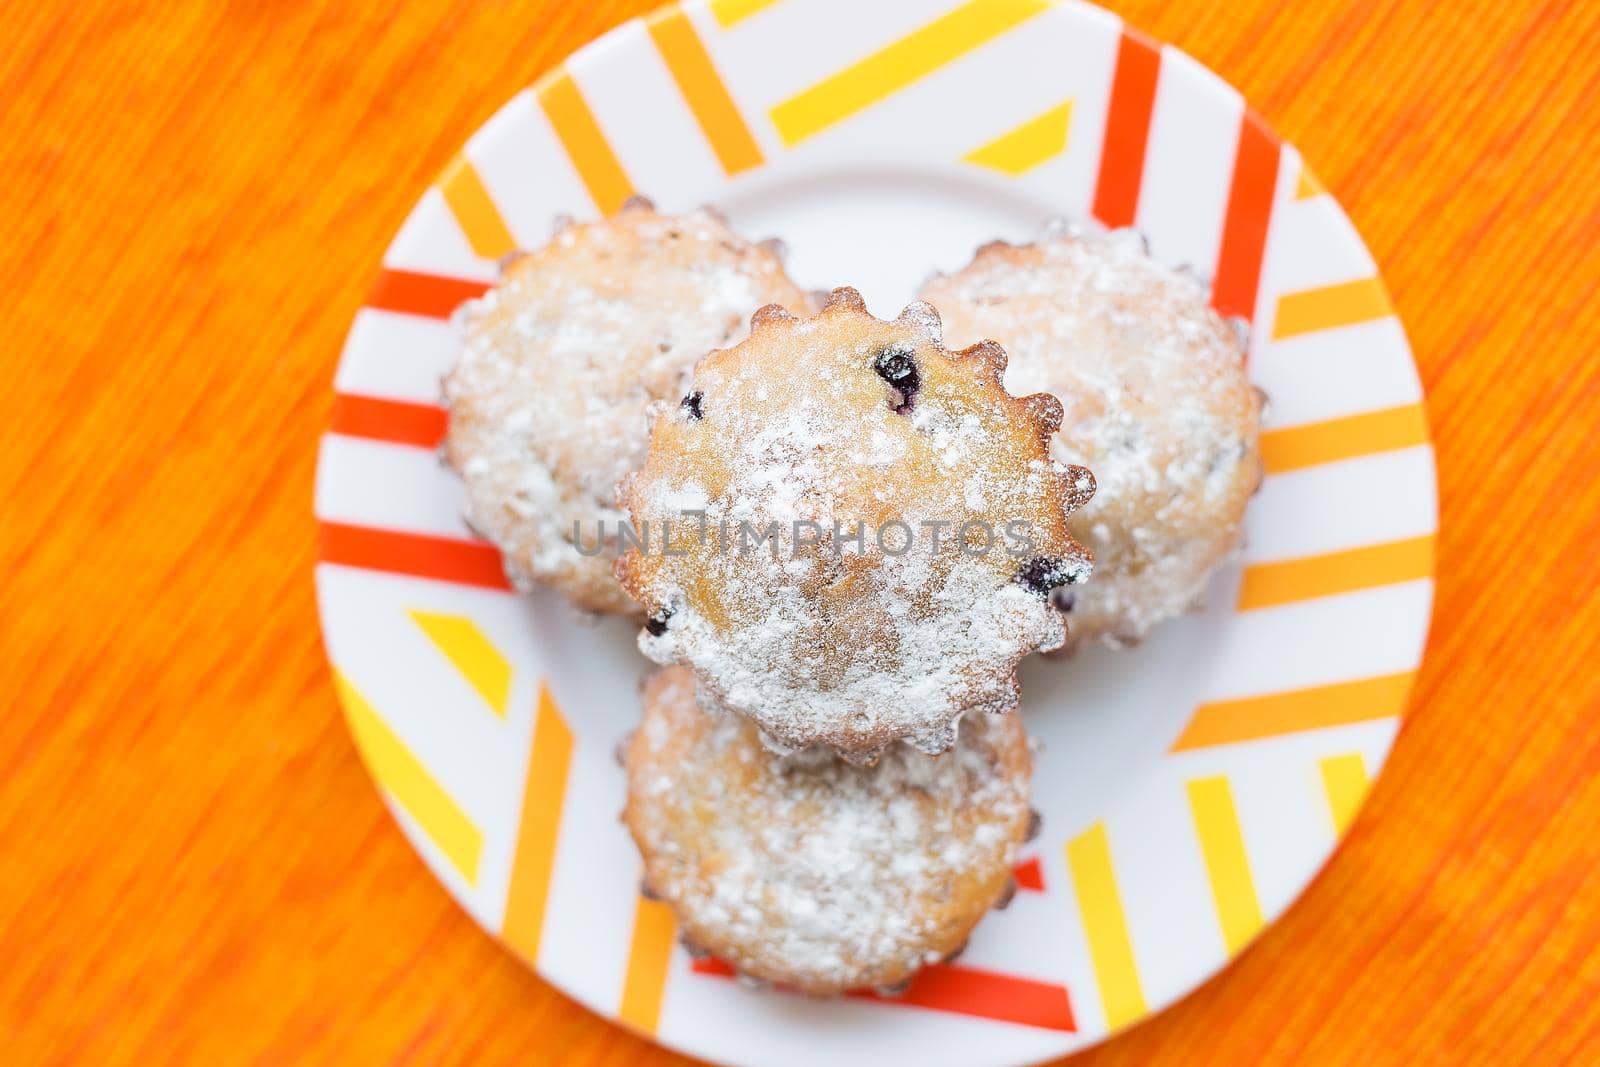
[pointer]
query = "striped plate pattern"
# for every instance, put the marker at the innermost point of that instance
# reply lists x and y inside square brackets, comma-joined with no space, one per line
[1190,788]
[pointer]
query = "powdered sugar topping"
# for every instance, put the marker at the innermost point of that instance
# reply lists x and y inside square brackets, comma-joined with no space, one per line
[863,620]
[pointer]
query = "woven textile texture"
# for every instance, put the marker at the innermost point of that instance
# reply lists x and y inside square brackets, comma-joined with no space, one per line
[197,869]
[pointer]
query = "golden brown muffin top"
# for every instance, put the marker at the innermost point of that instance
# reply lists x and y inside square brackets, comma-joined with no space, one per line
[812,872]
[562,366]
[813,431]
[1156,400]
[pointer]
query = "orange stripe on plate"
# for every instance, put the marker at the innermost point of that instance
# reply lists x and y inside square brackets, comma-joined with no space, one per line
[399,422]
[543,793]
[649,956]
[1133,98]
[987,995]
[1388,430]
[1244,232]
[964,991]
[445,559]
[703,91]
[1331,306]
[712,967]
[435,296]
[1286,581]
[1307,185]
[1029,875]
[475,211]
[1225,722]
[575,125]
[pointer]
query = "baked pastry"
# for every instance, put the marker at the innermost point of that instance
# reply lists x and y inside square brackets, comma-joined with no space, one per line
[562,363]
[852,531]
[1156,403]
[811,872]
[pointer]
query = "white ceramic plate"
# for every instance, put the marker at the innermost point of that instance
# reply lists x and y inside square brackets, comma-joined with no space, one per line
[1190,788]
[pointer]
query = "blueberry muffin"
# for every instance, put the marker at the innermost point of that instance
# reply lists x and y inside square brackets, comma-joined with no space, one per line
[1156,403]
[852,531]
[814,873]
[564,362]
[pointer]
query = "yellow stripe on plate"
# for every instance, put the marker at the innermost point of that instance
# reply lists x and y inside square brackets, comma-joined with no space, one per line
[1226,722]
[909,59]
[729,12]
[543,794]
[702,88]
[1387,430]
[1267,585]
[608,184]
[1331,306]
[472,653]
[401,775]
[1233,890]
[1105,927]
[1030,144]
[469,201]
[1345,781]
[649,954]
[1307,186]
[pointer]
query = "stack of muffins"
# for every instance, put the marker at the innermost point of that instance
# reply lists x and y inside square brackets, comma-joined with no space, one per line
[840,536]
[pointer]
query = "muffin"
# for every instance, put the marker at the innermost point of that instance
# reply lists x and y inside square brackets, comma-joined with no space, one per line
[563,364]
[853,532]
[1156,402]
[811,872]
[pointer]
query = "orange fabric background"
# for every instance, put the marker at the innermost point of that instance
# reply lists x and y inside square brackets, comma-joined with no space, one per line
[194,867]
